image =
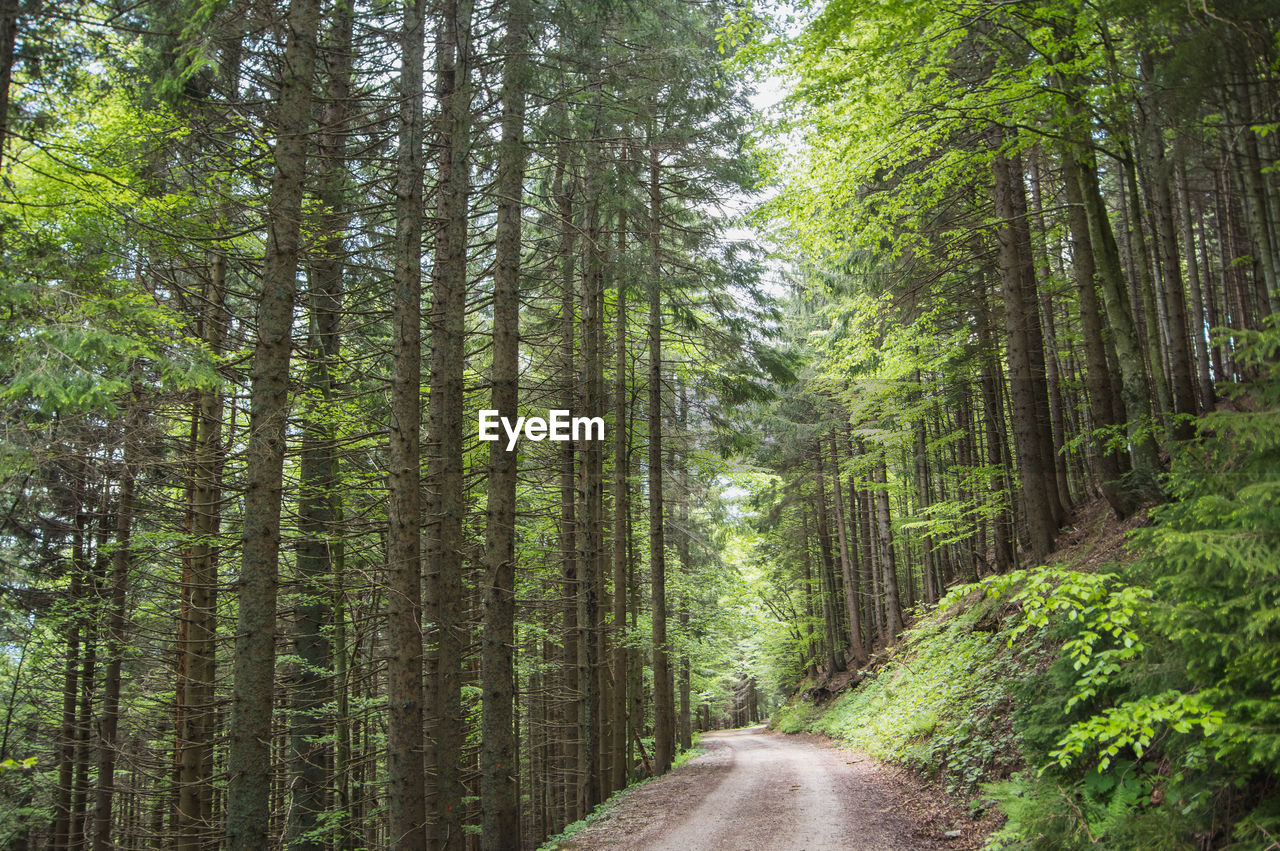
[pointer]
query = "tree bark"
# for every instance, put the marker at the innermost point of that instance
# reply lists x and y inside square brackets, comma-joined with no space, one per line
[1112,462]
[406,798]
[835,638]
[888,561]
[1131,210]
[621,511]
[500,827]
[447,509]
[1181,370]
[121,564]
[249,761]
[1135,389]
[1023,383]
[848,562]
[568,529]
[663,697]
[77,623]
[8,47]
[592,488]
[1196,315]
[1057,419]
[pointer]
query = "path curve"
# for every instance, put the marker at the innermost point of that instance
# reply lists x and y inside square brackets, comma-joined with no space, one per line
[759,791]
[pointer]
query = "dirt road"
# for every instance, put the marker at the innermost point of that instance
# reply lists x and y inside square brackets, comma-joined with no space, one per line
[760,791]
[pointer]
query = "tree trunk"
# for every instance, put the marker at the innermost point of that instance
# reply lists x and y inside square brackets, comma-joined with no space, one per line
[1135,389]
[621,511]
[1131,212]
[567,529]
[592,487]
[1023,382]
[121,563]
[684,726]
[406,794]
[1196,316]
[1112,462]
[848,562]
[448,508]
[1181,370]
[835,639]
[923,501]
[806,561]
[500,828]
[77,623]
[8,46]
[888,561]
[88,669]
[1057,419]
[249,761]
[663,698]
[993,419]
[1255,203]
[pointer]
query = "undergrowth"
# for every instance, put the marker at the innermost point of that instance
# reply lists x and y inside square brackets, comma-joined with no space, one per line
[941,705]
[1134,709]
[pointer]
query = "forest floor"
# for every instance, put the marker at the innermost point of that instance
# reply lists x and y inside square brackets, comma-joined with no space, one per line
[754,790]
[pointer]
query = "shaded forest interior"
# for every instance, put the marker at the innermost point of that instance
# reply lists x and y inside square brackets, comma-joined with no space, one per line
[262,583]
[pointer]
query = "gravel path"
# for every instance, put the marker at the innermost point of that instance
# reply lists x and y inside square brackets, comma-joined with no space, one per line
[760,791]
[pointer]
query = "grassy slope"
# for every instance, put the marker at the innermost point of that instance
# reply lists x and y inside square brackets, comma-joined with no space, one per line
[942,703]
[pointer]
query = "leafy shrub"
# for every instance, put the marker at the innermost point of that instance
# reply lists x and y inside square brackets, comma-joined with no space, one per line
[940,706]
[1167,727]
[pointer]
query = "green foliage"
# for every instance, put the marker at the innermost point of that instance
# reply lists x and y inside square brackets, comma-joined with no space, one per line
[1169,670]
[794,717]
[940,706]
[17,765]
[1109,617]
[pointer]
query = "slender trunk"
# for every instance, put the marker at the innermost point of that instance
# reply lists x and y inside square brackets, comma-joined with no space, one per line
[993,419]
[888,561]
[1135,389]
[1250,165]
[1131,211]
[806,561]
[76,625]
[684,727]
[1057,420]
[621,511]
[406,799]
[8,46]
[320,503]
[1018,303]
[848,562]
[121,563]
[249,762]
[923,502]
[1174,315]
[1214,284]
[590,551]
[1112,463]
[870,557]
[194,728]
[1196,315]
[88,669]
[447,493]
[567,530]
[500,828]
[663,698]
[830,593]
[1059,508]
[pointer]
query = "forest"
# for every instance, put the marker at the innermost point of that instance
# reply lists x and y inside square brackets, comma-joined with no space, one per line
[881,308]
